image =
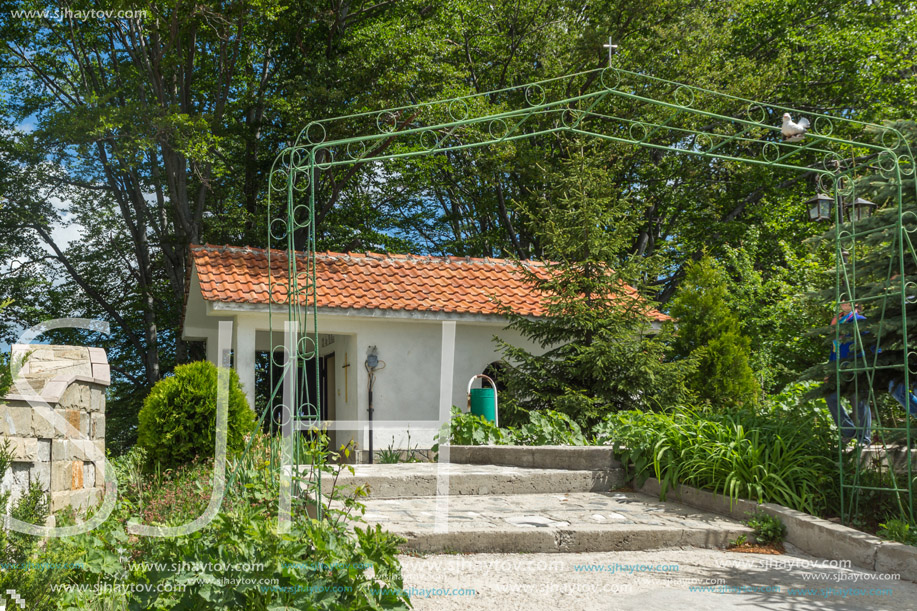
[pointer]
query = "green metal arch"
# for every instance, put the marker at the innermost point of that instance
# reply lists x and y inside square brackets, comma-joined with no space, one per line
[695,121]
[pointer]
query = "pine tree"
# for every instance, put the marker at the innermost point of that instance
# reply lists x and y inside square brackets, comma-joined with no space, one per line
[709,333]
[601,351]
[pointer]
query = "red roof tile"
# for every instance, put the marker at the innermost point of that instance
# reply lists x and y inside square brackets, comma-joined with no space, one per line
[372,281]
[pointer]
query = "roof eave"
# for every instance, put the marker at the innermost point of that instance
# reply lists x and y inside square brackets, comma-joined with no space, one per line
[222,308]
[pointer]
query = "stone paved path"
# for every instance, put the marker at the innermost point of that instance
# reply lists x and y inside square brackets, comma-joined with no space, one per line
[578,544]
[647,580]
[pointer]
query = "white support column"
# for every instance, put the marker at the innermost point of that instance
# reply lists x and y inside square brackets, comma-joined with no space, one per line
[287,425]
[243,346]
[447,367]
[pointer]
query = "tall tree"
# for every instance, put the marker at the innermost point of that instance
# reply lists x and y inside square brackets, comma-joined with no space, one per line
[600,351]
[6,376]
[709,332]
[150,133]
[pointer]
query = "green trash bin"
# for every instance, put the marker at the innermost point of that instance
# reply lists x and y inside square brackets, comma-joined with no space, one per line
[484,403]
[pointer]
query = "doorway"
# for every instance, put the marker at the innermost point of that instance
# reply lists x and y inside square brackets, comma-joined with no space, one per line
[269,389]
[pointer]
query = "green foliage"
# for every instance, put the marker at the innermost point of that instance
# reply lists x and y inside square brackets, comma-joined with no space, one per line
[898,530]
[389,455]
[633,436]
[6,378]
[543,428]
[178,418]
[392,456]
[179,495]
[709,333]
[876,497]
[76,117]
[548,428]
[600,352]
[6,375]
[781,453]
[772,301]
[469,429]
[878,258]
[17,550]
[768,528]
[319,564]
[31,507]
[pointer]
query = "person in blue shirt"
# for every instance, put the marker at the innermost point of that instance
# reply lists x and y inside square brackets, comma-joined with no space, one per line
[907,399]
[849,430]
[896,388]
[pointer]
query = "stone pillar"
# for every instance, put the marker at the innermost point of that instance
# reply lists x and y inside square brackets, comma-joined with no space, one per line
[71,381]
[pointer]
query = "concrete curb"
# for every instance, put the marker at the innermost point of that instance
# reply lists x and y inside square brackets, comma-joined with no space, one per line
[812,535]
[576,458]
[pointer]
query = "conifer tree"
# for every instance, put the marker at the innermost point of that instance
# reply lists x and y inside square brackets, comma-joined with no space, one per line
[602,353]
[709,333]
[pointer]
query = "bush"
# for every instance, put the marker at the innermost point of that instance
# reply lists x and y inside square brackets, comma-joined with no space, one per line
[31,507]
[548,428]
[6,377]
[467,429]
[545,427]
[178,417]
[318,564]
[777,454]
[896,529]
[20,551]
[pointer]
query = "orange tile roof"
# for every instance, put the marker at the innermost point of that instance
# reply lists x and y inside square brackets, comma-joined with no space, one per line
[373,281]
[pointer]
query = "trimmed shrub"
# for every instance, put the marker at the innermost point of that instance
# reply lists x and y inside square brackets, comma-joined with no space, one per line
[178,417]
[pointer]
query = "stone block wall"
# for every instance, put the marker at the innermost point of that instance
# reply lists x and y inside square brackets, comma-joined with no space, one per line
[71,381]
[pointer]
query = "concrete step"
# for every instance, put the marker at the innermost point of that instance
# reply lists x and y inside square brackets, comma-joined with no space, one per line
[573,522]
[423,479]
[585,458]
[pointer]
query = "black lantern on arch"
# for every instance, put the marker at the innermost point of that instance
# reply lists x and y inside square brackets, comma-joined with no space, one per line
[860,210]
[819,208]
